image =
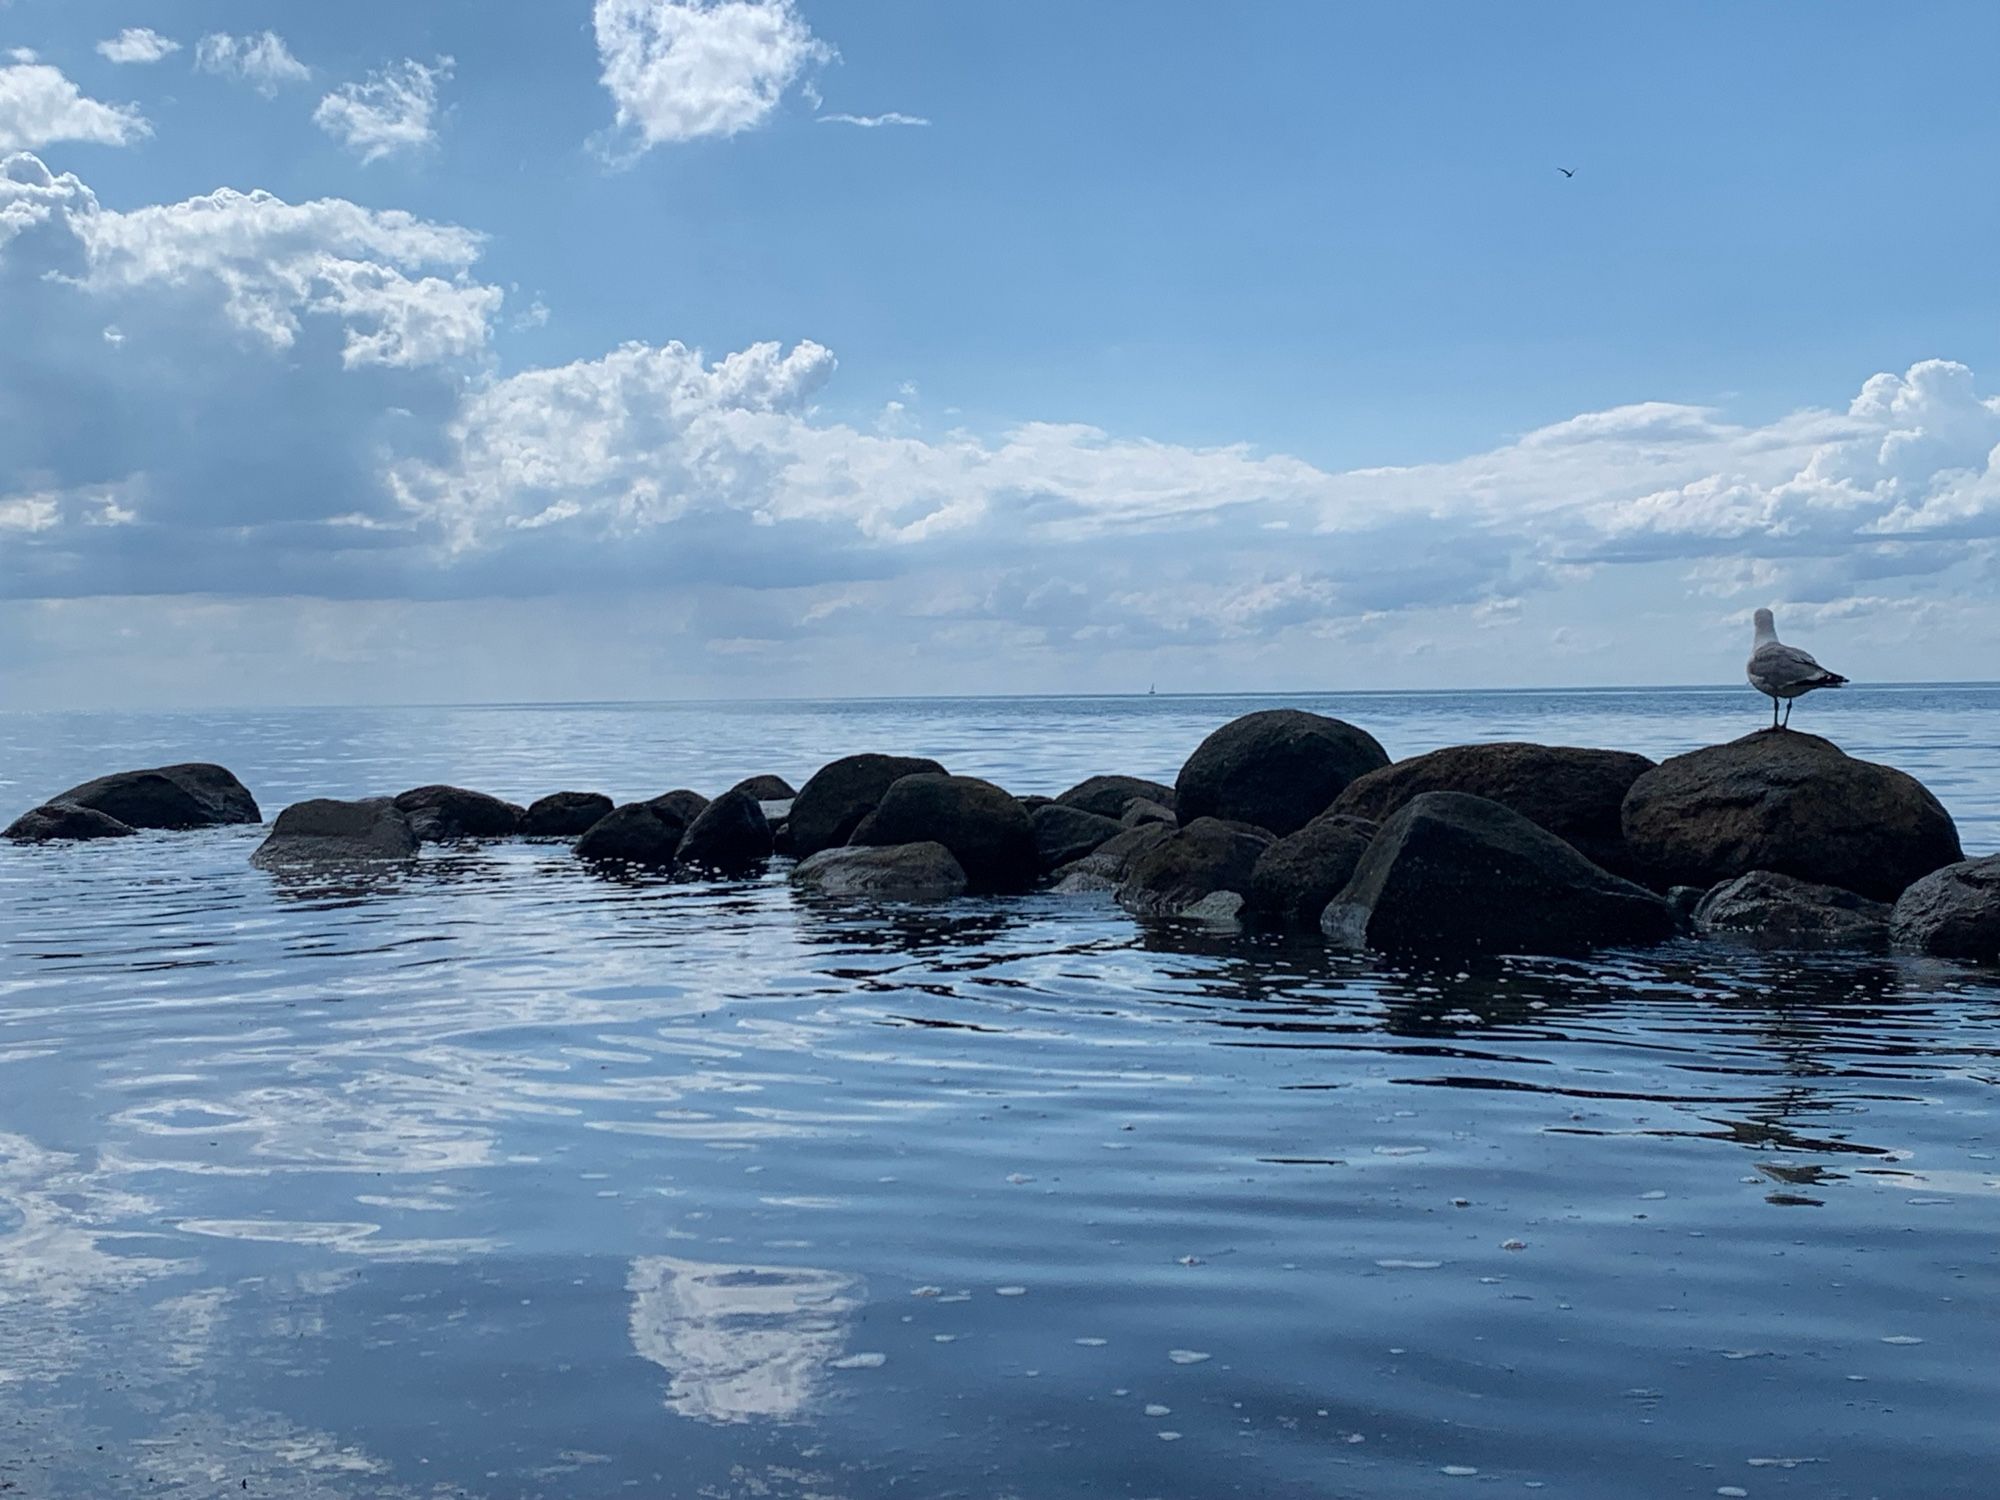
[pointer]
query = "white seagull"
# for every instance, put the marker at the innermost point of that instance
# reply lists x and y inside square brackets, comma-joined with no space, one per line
[1780,671]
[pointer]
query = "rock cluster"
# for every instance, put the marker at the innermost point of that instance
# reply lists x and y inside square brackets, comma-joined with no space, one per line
[1280,819]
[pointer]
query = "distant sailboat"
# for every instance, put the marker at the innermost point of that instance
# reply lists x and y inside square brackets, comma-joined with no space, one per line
[1149,690]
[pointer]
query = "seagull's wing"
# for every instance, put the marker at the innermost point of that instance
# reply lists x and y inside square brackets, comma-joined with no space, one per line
[1780,666]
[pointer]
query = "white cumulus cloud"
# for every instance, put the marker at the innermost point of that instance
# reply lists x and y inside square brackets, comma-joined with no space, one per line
[678,70]
[263,61]
[138,44]
[393,110]
[40,106]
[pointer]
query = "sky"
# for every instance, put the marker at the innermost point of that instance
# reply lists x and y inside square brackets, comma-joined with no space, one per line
[445,351]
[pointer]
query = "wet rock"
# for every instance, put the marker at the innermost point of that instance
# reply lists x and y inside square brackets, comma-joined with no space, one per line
[987,831]
[1141,811]
[326,832]
[446,814]
[681,806]
[897,872]
[767,788]
[1192,864]
[638,833]
[1106,867]
[1682,901]
[1278,769]
[1453,873]
[195,795]
[1109,796]
[1782,911]
[564,815]
[731,836]
[1063,834]
[832,804]
[1788,802]
[1952,913]
[55,822]
[1575,794]
[1297,876]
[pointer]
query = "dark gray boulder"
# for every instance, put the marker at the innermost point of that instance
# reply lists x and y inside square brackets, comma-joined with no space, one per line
[1683,900]
[1063,834]
[732,836]
[1295,878]
[1952,913]
[897,872]
[1278,769]
[1141,811]
[1781,911]
[638,833]
[681,806]
[986,830]
[1575,794]
[1453,873]
[446,814]
[564,815]
[326,832]
[832,804]
[1106,867]
[1193,865]
[195,795]
[1788,802]
[1109,796]
[57,822]
[767,788]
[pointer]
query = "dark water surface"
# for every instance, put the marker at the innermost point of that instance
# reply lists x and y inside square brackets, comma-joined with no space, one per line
[500,1179]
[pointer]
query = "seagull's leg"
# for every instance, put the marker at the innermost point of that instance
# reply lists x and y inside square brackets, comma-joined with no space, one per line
[1788,713]
[1774,710]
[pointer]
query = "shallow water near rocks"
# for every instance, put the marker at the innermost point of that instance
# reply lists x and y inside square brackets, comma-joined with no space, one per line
[498,1178]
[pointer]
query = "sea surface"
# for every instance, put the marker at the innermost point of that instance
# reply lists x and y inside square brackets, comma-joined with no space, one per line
[497,1178]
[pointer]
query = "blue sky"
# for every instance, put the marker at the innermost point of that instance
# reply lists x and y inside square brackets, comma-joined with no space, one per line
[590,348]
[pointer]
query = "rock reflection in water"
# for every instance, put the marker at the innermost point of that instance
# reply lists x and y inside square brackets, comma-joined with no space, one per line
[741,1343]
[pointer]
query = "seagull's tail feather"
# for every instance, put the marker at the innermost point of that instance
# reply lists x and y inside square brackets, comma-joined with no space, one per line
[1828,679]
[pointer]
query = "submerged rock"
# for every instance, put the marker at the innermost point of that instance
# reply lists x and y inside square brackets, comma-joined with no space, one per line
[639,833]
[55,822]
[1296,877]
[1788,802]
[731,836]
[766,788]
[1953,912]
[1106,867]
[446,814]
[1278,769]
[1575,794]
[195,795]
[1064,834]
[896,872]
[1453,873]
[331,833]
[832,804]
[1784,911]
[1109,796]
[987,831]
[1192,864]
[564,815]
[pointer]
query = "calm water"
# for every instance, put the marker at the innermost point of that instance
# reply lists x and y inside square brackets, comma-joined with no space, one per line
[498,1179]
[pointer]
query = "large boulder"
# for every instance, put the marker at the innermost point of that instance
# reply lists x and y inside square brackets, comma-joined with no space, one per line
[636,834]
[1106,867]
[1109,796]
[326,832]
[1295,878]
[446,814]
[1063,834]
[1575,794]
[196,795]
[1453,873]
[731,836]
[1141,811]
[1782,911]
[1789,802]
[899,872]
[679,806]
[832,804]
[1953,912]
[1278,769]
[1192,865]
[564,815]
[54,822]
[986,830]
[766,788]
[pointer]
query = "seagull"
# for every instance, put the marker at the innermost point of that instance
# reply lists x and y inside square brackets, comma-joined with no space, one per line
[1780,671]
[1567,171]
